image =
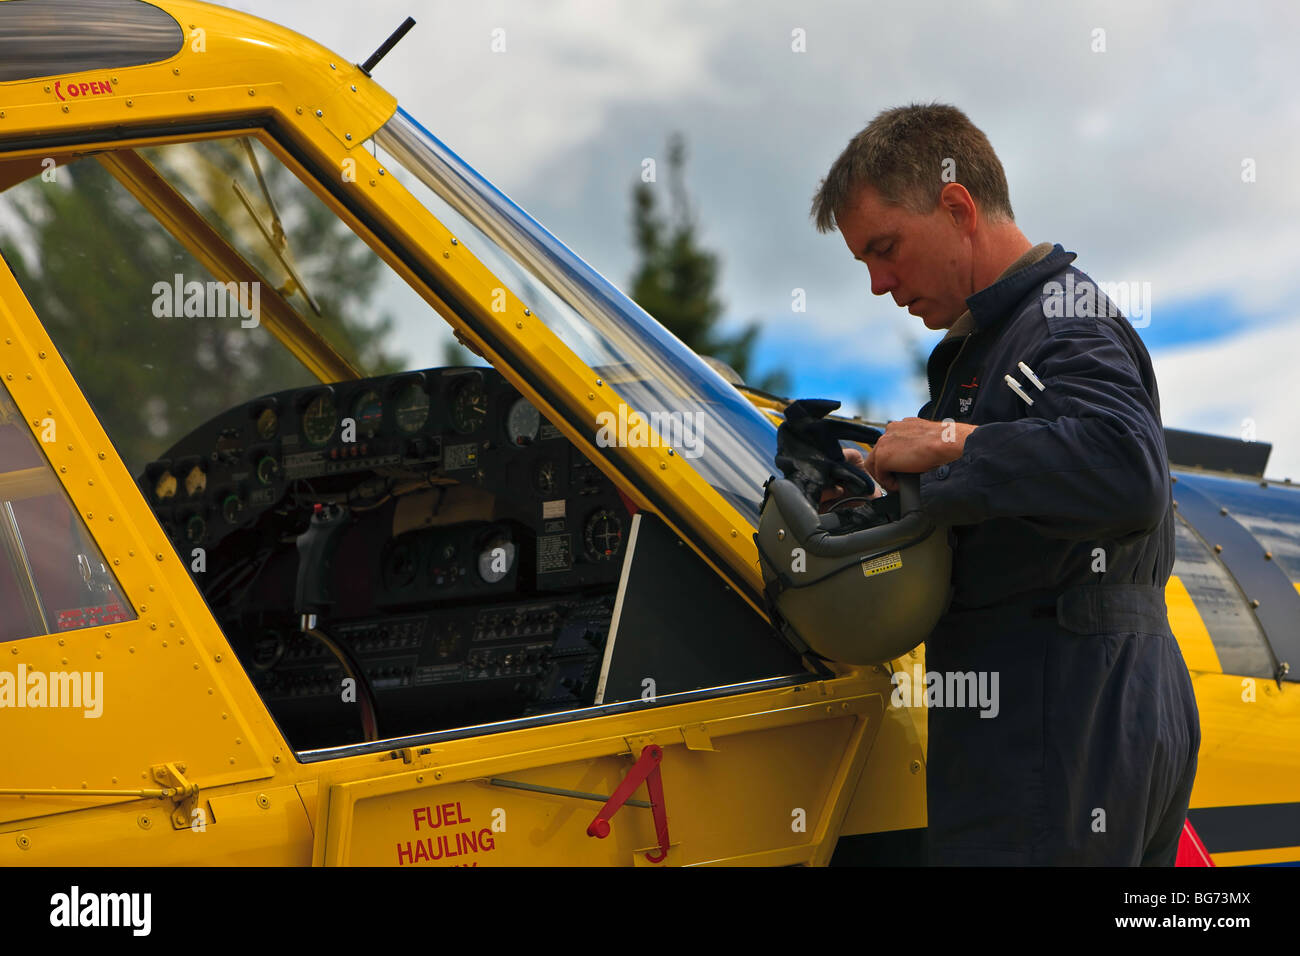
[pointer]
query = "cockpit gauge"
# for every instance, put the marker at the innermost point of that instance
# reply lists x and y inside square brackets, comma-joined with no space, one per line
[232,508]
[544,477]
[267,470]
[195,529]
[603,535]
[268,423]
[267,651]
[468,405]
[166,486]
[496,559]
[196,482]
[368,412]
[411,407]
[319,419]
[523,422]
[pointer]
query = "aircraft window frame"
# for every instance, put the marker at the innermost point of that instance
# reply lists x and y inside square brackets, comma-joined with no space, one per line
[378,233]
[558,717]
[35,560]
[392,254]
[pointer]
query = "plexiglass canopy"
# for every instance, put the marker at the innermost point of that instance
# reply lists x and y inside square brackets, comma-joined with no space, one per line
[652,370]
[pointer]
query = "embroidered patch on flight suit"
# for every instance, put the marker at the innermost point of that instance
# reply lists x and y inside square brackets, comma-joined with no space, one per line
[967,399]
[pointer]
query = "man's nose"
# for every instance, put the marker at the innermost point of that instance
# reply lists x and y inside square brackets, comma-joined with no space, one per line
[882,282]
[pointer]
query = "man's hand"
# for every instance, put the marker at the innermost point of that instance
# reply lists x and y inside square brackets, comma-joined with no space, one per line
[854,459]
[914,445]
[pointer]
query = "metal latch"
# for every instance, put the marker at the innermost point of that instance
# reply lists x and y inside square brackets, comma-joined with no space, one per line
[174,787]
[183,794]
[646,768]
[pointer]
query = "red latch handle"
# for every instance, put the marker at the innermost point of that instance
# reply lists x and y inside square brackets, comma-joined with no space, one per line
[646,768]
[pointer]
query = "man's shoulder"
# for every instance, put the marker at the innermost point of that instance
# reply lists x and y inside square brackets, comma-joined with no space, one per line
[1070,300]
[1078,312]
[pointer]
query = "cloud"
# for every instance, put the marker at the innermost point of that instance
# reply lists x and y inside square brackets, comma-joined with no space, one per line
[1131,157]
[1219,386]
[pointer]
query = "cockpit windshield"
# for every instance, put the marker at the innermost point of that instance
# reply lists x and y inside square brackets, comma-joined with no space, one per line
[723,436]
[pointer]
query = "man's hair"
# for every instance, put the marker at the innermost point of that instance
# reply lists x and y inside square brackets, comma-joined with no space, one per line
[908,154]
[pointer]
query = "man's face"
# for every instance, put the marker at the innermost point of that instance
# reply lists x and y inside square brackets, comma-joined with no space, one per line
[923,261]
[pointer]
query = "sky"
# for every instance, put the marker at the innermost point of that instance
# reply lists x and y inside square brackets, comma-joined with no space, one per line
[1158,141]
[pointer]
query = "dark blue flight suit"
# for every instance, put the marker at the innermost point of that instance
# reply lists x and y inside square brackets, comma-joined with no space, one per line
[1091,755]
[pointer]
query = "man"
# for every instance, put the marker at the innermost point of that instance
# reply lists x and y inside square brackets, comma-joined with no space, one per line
[1042,448]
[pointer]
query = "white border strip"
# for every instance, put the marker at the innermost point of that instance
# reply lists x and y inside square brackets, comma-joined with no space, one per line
[618,611]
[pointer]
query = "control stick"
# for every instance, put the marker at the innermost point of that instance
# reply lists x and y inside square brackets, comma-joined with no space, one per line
[316,547]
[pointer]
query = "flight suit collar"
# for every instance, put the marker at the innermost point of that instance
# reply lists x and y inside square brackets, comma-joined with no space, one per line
[990,304]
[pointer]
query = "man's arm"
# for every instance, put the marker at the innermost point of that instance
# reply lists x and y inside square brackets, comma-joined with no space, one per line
[1090,465]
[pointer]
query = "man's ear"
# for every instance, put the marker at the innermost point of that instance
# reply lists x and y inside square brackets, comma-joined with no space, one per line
[958,203]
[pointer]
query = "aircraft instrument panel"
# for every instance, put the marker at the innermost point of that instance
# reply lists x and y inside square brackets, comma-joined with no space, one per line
[427,534]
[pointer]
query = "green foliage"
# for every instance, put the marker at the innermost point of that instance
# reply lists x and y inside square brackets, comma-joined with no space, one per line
[675,280]
[88,255]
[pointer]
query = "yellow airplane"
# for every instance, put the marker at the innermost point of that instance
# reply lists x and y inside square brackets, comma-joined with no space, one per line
[282,588]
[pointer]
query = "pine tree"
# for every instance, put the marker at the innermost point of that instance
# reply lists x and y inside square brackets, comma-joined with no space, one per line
[676,278]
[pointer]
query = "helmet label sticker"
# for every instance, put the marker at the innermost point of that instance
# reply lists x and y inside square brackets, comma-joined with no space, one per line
[886,562]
